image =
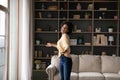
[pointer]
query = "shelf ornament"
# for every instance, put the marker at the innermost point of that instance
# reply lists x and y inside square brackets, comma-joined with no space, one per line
[78,7]
[110,28]
[87,15]
[37,63]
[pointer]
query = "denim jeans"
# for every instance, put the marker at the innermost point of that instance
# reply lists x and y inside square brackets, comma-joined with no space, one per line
[65,67]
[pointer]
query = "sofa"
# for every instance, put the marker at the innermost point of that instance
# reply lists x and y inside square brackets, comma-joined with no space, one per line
[88,67]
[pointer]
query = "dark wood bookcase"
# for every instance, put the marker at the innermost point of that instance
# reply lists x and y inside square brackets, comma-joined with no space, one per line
[91,20]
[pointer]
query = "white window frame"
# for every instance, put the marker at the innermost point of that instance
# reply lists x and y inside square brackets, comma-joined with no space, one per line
[6,73]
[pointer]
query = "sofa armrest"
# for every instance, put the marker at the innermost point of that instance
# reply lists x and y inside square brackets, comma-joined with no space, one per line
[51,71]
[119,72]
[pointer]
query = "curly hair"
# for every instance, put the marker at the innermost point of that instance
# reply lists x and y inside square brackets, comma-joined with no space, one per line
[70,26]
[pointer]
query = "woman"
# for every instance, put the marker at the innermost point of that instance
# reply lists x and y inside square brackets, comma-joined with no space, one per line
[63,46]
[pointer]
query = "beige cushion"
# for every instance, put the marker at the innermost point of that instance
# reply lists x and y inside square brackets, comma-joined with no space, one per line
[110,64]
[91,76]
[75,60]
[111,76]
[89,63]
[74,76]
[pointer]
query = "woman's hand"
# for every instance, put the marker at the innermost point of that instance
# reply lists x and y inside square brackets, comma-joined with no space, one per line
[64,51]
[48,45]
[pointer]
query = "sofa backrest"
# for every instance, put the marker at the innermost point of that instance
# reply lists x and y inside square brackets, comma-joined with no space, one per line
[110,64]
[75,60]
[89,63]
[92,63]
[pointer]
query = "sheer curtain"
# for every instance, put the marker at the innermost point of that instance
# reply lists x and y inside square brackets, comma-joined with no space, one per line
[20,61]
[25,53]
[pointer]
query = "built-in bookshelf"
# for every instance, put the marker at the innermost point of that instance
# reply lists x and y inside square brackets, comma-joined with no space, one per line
[96,28]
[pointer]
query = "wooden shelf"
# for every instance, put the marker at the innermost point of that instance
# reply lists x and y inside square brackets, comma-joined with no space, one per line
[81,32]
[42,58]
[46,32]
[81,19]
[38,70]
[81,45]
[46,10]
[105,32]
[107,1]
[106,19]
[105,45]
[46,19]
[65,12]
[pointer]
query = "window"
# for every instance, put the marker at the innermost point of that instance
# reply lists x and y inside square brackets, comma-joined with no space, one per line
[2,44]
[3,38]
[4,3]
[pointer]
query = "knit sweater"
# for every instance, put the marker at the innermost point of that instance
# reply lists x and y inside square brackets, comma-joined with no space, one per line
[63,44]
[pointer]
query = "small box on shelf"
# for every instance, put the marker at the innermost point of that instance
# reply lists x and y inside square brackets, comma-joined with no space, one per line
[87,43]
[73,41]
[115,17]
[39,29]
[103,9]
[52,8]
[76,16]
[103,53]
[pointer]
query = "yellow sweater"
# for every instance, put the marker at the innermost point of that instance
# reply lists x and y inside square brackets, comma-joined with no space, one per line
[63,44]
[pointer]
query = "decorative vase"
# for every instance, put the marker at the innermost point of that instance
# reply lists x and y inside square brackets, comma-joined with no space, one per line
[110,39]
[37,66]
[78,7]
[86,16]
[37,42]
[43,6]
[110,29]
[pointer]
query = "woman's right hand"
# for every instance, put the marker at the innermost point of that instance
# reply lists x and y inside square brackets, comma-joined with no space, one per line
[49,45]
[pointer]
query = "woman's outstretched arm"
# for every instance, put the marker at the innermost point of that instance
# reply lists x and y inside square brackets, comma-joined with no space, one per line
[51,45]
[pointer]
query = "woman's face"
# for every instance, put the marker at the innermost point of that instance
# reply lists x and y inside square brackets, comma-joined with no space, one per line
[64,28]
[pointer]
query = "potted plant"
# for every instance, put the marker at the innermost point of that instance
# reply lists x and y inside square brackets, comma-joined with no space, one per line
[110,28]
[37,63]
[87,15]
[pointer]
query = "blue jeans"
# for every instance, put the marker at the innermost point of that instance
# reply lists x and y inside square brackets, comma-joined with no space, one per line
[65,67]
